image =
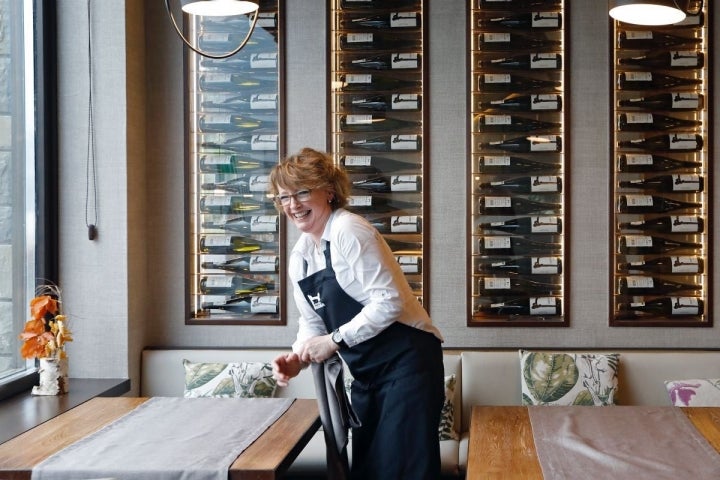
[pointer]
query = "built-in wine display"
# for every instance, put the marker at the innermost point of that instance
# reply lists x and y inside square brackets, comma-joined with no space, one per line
[233,123]
[661,176]
[517,167]
[377,121]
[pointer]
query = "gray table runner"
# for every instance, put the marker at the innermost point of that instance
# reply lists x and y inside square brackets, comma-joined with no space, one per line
[638,443]
[167,438]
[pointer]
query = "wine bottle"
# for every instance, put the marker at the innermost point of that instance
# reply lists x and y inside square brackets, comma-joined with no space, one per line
[223,41]
[652,40]
[387,143]
[647,244]
[233,163]
[409,102]
[538,184]
[666,265]
[513,5]
[399,20]
[390,61]
[526,21]
[251,224]
[512,123]
[678,101]
[398,224]
[228,122]
[393,183]
[677,59]
[232,285]
[514,245]
[653,81]
[643,122]
[497,286]
[505,82]
[509,164]
[532,61]
[375,4]
[247,264]
[221,244]
[667,224]
[241,184]
[410,264]
[638,203]
[234,204]
[505,41]
[218,82]
[374,123]
[250,63]
[368,204]
[244,143]
[666,306]
[377,41]
[640,163]
[526,103]
[247,304]
[532,143]
[374,164]
[536,306]
[506,205]
[365,81]
[523,266]
[526,225]
[676,142]
[256,102]
[668,183]
[647,285]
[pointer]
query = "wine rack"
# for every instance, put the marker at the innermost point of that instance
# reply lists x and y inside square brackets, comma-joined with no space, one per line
[517,169]
[233,113]
[661,177]
[377,121]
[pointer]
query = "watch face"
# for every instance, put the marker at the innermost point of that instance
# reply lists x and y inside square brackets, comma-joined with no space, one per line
[336,337]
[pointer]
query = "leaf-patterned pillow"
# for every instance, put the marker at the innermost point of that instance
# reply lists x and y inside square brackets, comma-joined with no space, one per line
[694,392]
[555,378]
[228,380]
[446,430]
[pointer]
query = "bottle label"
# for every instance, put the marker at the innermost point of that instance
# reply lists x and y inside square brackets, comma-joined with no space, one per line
[685,264]
[638,159]
[405,224]
[403,19]
[263,223]
[635,118]
[363,78]
[495,161]
[217,201]
[404,142]
[359,38]
[685,306]
[495,283]
[498,202]
[404,60]
[684,224]
[684,58]
[266,20]
[638,241]
[405,101]
[409,263]
[217,281]
[493,243]
[215,37]
[544,60]
[494,38]
[216,160]
[683,141]
[545,102]
[216,118]
[544,265]
[639,282]
[543,143]
[358,119]
[545,20]
[263,263]
[263,60]
[217,78]
[686,183]
[497,120]
[360,201]
[638,76]
[496,78]
[543,306]
[358,160]
[264,101]
[547,183]
[259,183]
[545,225]
[633,200]
[685,101]
[638,35]
[264,142]
[404,183]
[264,304]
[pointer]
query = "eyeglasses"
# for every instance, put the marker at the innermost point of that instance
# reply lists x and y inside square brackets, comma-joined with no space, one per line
[300,196]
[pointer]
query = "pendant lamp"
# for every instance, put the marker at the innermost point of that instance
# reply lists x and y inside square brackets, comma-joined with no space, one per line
[653,12]
[216,8]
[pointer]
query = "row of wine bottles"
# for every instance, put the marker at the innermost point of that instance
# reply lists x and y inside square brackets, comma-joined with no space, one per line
[510,285]
[512,245]
[662,307]
[241,304]
[523,306]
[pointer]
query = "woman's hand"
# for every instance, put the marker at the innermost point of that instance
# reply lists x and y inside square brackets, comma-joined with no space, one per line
[285,367]
[318,349]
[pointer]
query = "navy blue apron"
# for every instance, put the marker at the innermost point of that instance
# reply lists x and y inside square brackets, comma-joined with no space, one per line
[397,392]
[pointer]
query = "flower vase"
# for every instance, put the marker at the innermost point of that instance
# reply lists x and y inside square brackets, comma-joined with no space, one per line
[53,377]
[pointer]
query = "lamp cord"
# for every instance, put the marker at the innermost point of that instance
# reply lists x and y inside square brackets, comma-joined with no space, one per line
[91,218]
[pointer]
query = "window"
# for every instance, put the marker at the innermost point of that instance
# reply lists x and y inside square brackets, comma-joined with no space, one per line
[28,201]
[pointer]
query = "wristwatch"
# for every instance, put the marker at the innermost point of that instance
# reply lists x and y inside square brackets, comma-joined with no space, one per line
[338,339]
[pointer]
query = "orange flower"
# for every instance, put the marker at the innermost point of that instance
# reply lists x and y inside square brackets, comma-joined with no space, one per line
[42,305]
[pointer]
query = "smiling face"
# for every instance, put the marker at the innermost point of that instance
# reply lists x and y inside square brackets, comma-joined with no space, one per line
[310,215]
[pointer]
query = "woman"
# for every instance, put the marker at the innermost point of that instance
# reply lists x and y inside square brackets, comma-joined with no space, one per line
[353,299]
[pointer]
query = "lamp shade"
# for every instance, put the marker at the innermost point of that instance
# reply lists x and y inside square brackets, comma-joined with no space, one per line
[220,8]
[646,12]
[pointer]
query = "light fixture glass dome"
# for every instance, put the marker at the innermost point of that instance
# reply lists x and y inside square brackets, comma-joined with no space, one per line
[220,8]
[646,12]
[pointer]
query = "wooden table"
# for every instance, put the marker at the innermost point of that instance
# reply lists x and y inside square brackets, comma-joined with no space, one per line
[501,442]
[268,457]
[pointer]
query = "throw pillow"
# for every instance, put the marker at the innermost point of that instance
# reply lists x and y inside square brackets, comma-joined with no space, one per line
[550,378]
[446,430]
[243,379]
[695,392]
